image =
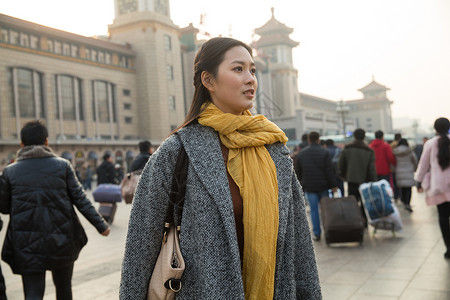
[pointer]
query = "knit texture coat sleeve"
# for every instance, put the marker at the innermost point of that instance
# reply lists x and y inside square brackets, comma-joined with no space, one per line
[145,229]
[306,277]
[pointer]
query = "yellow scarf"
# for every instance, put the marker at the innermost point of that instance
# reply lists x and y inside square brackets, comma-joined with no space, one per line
[252,168]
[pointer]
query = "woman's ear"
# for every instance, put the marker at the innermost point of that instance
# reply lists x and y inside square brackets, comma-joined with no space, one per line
[208,80]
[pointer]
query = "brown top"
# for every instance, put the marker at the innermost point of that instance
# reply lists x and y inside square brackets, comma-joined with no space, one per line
[237,204]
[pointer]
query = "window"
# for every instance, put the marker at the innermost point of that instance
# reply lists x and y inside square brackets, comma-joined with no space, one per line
[94,55]
[128,120]
[127,106]
[167,42]
[171,103]
[24,40]
[70,97]
[123,62]
[58,47]
[101,57]
[169,71]
[29,100]
[50,45]
[5,36]
[87,54]
[126,92]
[108,58]
[104,102]
[13,37]
[34,42]
[66,49]
[74,51]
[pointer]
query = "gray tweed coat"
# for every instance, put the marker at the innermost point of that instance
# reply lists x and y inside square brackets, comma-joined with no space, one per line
[208,233]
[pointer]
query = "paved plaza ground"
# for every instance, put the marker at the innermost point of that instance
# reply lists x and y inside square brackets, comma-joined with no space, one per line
[409,266]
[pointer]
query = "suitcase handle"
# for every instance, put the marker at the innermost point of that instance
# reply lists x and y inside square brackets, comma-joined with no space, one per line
[336,194]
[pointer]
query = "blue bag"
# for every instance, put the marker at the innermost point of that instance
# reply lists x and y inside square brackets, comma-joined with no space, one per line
[377,201]
[107,193]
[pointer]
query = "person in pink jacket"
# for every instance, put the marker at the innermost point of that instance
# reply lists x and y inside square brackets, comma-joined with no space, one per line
[433,176]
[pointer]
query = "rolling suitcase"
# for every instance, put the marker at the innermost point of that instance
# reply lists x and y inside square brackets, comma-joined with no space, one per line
[342,220]
[108,211]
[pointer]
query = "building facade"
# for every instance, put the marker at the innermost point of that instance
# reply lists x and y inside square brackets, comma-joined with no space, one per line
[106,94]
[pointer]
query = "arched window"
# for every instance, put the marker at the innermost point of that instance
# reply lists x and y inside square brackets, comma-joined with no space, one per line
[69,102]
[104,102]
[27,91]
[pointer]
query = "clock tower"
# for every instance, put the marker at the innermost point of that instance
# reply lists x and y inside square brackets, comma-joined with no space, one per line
[146,25]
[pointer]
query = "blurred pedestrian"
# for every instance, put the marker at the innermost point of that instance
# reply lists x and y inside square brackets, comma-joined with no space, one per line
[2,279]
[44,233]
[357,165]
[244,230]
[393,180]
[419,147]
[317,177]
[300,147]
[404,171]
[433,176]
[106,172]
[384,158]
[118,173]
[141,159]
[335,153]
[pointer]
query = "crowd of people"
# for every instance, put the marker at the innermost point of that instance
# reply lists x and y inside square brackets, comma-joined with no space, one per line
[244,229]
[320,168]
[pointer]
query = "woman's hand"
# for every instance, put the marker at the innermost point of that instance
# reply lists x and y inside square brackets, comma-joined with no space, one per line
[106,232]
[420,190]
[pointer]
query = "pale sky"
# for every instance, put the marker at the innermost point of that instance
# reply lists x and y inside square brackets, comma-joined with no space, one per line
[404,44]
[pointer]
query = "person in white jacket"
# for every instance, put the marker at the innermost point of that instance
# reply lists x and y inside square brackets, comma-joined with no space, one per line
[433,176]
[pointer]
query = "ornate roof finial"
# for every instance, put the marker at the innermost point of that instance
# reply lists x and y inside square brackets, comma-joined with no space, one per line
[272,9]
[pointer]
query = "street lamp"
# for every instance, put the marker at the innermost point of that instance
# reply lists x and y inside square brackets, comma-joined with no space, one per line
[342,109]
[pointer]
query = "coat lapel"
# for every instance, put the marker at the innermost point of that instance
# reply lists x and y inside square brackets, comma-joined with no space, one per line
[203,149]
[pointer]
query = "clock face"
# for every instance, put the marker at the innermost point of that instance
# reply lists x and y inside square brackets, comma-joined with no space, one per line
[127,6]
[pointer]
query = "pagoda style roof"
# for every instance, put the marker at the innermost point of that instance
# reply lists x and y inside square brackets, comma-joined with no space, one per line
[374,86]
[273,26]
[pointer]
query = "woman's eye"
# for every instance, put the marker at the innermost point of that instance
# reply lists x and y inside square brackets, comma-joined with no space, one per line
[238,69]
[253,71]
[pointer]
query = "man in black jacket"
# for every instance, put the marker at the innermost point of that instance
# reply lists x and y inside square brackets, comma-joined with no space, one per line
[142,158]
[106,172]
[39,191]
[315,172]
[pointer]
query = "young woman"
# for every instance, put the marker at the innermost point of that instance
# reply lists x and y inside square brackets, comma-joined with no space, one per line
[244,231]
[404,171]
[433,176]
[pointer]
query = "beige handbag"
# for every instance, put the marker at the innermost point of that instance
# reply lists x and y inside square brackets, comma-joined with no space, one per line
[129,184]
[169,267]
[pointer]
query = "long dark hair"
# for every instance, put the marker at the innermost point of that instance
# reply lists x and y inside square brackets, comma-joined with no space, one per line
[208,58]
[442,125]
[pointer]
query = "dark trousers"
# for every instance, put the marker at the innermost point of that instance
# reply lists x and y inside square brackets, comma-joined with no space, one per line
[405,195]
[444,222]
[2,286]
[34,284]
[353,190]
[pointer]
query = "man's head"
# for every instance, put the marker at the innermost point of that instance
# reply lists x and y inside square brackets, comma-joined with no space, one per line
[34,133]
[313,137]
[359,134]
[379,134]
[304,137]
[107,156]
[144,146]
[329,142]
[397,136]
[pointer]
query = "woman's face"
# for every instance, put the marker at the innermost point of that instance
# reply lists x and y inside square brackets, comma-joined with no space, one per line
[233,89]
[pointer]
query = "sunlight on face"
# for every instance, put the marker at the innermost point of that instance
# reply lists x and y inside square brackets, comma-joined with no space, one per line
[234,87]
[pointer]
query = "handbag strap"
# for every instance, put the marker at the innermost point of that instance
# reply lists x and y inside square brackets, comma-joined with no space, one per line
[177,191]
